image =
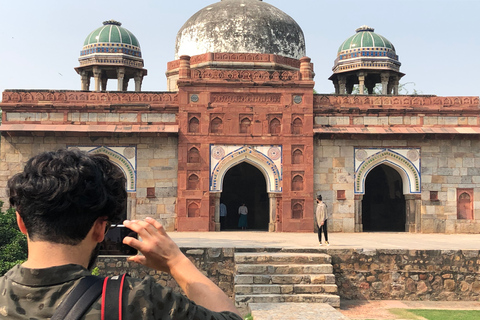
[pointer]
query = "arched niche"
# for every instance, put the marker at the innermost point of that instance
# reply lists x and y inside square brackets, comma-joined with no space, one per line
[249,155]
[118,155]
[409,173]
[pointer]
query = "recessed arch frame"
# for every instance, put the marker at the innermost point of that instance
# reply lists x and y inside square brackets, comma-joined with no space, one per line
[273,176]
[408,171]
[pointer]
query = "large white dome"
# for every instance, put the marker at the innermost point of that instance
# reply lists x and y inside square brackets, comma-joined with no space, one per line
[241,26]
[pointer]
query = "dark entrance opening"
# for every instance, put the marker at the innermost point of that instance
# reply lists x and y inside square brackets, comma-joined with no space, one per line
[245,184]
[383,205]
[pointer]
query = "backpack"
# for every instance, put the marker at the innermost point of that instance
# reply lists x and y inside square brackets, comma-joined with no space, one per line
[81,298]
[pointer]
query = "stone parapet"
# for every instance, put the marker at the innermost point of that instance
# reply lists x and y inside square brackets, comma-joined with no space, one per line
[46,97]
[357,103]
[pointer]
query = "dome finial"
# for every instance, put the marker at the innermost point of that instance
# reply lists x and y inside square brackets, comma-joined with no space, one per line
[111,21]
[365,28]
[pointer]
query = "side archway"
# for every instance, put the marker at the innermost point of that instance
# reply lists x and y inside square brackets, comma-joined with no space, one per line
[403,162]
[123,157]
[407,170]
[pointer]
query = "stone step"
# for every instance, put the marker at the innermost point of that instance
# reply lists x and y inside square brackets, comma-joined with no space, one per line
[244,300]
[295,311]
[282,258]
[285,279]
[285,289]
[267,269]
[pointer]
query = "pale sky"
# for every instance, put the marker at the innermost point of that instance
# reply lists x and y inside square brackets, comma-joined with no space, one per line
[437,40]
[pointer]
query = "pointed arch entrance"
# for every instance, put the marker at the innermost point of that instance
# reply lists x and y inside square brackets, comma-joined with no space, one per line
[244,183]
[383,205]
[387,189]
[264,163]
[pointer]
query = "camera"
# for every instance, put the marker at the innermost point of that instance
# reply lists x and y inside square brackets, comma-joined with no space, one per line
[113,242]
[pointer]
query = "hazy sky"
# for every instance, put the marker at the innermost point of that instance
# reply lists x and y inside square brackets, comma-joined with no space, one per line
[437,40]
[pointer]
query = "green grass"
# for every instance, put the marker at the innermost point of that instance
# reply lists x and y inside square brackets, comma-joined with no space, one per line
[416,314]
[447,314]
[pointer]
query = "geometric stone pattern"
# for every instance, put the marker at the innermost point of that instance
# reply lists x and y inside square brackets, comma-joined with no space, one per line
[278,277]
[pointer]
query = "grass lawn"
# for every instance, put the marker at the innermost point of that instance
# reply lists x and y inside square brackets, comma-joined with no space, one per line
[415,314]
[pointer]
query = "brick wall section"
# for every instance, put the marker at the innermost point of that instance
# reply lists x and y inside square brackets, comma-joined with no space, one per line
[157,167]
[215,263]
[443,275]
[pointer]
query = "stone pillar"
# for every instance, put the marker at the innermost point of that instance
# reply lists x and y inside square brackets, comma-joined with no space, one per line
[138,81]
[120,77]
[358,213]
[337,88]
[85,80]
[125,84]
[349,87]
[97,73]
[385,77]
[396,82]
[361,83]
[306,69]
[217,211]
[184,71]
[342,83]
[104,83]
[272,197]
[412,208]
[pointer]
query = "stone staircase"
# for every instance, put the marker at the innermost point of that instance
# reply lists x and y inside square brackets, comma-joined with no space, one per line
[274,277]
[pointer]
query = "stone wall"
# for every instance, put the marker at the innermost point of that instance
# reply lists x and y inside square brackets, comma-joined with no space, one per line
[446,166]
[434,275]
[156,160]
[216,263]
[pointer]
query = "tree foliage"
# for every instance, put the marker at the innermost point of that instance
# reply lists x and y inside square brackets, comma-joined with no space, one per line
[13,243]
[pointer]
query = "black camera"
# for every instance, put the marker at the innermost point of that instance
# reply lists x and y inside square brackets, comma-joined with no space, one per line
[113,242]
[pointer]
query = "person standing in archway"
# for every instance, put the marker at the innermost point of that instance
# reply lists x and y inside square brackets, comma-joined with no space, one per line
[223,215]
[242,221]
[321,216]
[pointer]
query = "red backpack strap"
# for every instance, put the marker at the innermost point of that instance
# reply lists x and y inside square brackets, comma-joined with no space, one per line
[112,296]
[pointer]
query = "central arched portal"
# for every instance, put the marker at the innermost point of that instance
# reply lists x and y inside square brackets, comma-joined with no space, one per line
[383,205]
[244,183]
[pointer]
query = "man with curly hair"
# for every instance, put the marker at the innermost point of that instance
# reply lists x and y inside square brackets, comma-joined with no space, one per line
[65,200]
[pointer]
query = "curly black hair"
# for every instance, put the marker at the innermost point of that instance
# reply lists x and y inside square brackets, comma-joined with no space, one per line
[60,194]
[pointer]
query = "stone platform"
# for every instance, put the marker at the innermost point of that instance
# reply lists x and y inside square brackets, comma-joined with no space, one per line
[366,241]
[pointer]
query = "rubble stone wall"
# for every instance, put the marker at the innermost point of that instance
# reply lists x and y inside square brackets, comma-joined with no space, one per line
[434,275]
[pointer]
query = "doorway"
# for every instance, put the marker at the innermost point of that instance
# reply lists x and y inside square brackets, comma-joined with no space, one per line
[244,183]
[383,205]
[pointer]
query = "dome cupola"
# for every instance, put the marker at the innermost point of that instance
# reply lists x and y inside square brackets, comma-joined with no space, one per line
[111,52]
[365,59]
[240,26]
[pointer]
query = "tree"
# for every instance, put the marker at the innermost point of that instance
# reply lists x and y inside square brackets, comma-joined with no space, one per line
[13,243]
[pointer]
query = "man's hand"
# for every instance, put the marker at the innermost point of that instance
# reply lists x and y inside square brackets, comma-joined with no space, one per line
[158,249]
[161,253]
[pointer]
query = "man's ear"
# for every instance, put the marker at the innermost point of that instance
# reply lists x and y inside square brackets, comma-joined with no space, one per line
[21,224]
[99,227]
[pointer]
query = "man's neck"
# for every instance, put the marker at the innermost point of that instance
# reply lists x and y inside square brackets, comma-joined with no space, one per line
[43,254]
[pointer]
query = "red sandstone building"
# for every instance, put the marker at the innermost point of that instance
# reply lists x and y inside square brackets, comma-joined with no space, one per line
[240,123]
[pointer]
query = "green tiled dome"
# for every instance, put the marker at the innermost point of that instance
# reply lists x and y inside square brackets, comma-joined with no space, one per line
[366,38]
[366,50]
[111,32]
[112,38]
